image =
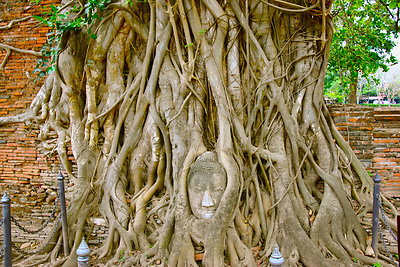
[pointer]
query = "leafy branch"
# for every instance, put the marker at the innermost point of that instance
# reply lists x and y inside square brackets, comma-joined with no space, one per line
[62,20]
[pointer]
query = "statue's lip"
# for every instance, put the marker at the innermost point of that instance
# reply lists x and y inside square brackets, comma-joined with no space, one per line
[207,213]
[207,210]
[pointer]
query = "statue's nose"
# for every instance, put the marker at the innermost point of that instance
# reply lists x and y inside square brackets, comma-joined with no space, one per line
[207,200]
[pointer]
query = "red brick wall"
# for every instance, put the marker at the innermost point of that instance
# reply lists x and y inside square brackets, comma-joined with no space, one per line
[26,173]
[374,135]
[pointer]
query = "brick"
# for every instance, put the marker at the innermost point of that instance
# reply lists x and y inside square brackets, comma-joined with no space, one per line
[17,93]
[382,154]
[386,141]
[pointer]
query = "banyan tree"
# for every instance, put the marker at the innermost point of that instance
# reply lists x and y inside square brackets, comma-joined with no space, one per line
[199,128]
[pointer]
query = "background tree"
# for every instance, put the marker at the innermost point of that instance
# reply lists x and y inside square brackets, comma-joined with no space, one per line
[150,94]
[362,42]
[391,90]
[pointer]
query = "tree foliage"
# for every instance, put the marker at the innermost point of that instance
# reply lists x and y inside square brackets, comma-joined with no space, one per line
[362,42]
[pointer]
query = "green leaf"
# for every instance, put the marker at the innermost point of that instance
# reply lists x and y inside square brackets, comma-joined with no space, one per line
[50,69]
[93,36]
[39,18]
[90,62]
[53,8]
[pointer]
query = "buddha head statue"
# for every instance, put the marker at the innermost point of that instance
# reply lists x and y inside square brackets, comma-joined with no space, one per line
[206,185]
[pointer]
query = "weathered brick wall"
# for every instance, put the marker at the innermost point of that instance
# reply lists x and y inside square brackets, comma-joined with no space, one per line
[26,172]
[374,135]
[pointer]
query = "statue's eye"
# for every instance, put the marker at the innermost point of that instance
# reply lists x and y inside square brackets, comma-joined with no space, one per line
[197,189]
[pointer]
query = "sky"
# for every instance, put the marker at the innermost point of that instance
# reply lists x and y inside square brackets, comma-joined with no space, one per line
[394,73]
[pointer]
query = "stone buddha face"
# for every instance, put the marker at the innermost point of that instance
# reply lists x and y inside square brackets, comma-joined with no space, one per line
[206,185]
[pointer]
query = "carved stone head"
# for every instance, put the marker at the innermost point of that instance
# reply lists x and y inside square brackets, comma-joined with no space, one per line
[206,184]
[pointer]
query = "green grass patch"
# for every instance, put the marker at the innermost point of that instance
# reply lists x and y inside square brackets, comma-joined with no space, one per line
[381,105]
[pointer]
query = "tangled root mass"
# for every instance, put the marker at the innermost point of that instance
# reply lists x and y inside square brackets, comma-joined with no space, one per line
[166,81]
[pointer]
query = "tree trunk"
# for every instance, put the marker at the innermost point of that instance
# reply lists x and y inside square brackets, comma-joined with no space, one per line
[198,128]
[353,92]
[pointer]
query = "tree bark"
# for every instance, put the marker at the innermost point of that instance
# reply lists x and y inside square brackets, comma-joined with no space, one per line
[353,92]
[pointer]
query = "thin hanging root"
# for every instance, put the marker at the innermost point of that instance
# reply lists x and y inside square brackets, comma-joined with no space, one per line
[261,213]
[107,247]
[140,219]
[119,256]
[255,224]
[231,254]
[243,227]
[361,257]
[392,211]
[355,162]
[243,253]
[182,253]
[4,62]
[34,260]
[60,262]
[56,250]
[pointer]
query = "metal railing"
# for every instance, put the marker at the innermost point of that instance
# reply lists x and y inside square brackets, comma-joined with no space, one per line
[398,237]
[5,223]
[5,202]
[378,216]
